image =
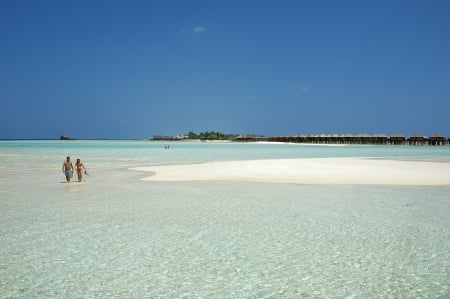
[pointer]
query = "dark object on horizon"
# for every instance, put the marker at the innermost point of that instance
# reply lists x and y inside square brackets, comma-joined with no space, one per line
[64,137]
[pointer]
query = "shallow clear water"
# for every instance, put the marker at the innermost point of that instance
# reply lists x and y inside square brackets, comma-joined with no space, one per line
[116,236]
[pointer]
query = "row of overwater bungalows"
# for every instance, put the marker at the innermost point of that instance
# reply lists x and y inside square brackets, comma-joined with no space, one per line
[395,139]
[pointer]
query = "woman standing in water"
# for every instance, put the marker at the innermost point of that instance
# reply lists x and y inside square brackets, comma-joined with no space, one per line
[79,167]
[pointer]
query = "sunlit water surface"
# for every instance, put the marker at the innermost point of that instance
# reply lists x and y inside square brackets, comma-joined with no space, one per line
[115,236]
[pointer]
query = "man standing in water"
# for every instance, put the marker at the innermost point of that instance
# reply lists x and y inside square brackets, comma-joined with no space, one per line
[67,168]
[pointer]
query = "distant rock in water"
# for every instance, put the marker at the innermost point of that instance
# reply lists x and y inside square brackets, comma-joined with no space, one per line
[64,137]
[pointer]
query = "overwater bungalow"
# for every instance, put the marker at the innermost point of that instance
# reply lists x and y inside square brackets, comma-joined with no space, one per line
[397,139]
[436,139]
[380,139]
[417,139]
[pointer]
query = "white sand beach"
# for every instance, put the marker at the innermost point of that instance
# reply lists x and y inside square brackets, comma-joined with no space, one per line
[358,171]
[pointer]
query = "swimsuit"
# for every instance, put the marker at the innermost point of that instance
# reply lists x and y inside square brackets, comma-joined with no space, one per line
[68,172]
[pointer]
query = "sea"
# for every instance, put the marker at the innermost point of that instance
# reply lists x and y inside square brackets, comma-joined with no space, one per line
[114,235]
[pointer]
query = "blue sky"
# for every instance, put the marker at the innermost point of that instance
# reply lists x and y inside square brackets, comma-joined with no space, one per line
[134,69]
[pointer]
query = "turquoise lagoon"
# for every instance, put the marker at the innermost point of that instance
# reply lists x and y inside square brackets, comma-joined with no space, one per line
[115,236]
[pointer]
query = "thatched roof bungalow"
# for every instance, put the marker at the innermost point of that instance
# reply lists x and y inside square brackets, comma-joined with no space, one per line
[380,139]
[436,139]
[397,139]
[417,139]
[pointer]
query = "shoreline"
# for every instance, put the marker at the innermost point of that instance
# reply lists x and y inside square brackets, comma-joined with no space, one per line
[318,171]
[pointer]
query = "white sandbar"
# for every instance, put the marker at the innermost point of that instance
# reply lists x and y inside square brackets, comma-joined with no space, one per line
[364,171]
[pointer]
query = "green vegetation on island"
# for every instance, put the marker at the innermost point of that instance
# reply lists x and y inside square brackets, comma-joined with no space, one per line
[211,135]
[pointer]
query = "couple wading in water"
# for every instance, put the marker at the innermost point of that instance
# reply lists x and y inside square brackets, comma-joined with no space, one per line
[68,168]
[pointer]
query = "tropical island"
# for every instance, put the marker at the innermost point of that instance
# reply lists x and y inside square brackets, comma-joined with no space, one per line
[211,135]
[380,139]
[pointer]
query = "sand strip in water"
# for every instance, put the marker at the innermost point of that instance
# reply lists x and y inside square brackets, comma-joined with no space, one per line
[308,171]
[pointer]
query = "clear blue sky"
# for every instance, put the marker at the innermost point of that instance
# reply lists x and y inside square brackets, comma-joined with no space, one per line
[133,69]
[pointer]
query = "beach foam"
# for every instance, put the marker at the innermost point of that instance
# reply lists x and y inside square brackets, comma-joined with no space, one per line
[358,171]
